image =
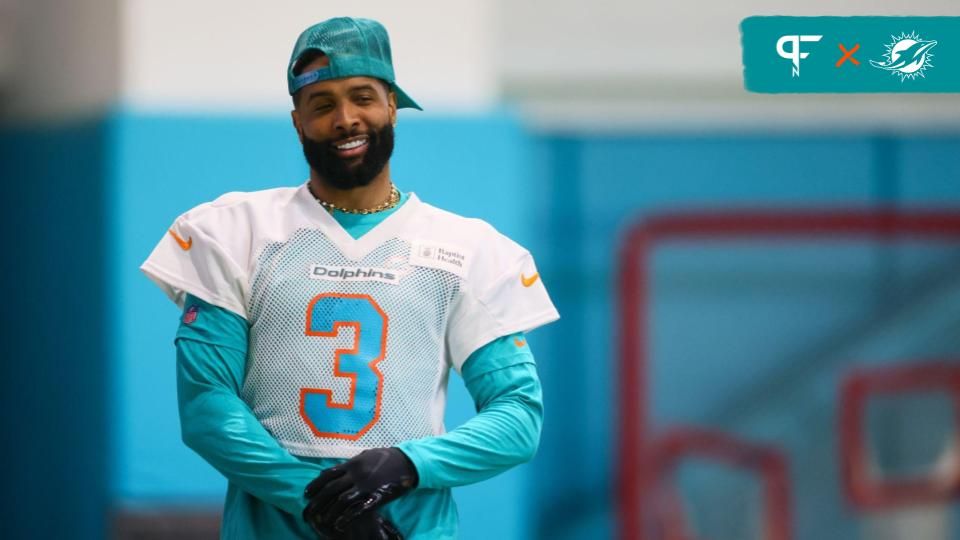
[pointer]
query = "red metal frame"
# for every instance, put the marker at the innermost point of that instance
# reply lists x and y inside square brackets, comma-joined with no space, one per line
[636,251]
[863,489]
[768,462]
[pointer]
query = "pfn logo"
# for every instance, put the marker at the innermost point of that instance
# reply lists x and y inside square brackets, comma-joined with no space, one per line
[794,53]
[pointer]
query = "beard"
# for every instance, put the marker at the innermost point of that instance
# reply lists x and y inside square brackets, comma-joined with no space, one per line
[323,159]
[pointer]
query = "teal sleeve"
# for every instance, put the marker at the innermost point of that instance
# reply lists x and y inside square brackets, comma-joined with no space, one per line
[502,379]
[217,424]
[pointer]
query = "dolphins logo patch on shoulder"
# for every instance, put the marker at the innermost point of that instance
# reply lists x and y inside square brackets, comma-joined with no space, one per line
[907,56]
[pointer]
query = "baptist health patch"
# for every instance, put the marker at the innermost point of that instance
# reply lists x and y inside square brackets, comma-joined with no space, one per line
[440,256]
[357,273]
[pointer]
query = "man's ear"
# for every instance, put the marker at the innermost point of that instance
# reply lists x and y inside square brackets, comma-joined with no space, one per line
[392,103]
[295,116]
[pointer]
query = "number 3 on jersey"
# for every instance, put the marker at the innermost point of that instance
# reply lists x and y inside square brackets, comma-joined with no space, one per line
[328,315]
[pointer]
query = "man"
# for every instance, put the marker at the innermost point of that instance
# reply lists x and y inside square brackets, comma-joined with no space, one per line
[320,323]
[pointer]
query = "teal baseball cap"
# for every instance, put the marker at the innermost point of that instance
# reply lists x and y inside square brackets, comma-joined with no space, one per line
[355,47]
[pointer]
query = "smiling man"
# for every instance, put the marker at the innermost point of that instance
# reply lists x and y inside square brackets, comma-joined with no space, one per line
[320,323]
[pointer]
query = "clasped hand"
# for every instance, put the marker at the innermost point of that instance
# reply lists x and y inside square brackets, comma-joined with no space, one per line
[344,493]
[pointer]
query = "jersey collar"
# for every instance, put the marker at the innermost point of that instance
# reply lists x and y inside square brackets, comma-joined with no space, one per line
[356,249]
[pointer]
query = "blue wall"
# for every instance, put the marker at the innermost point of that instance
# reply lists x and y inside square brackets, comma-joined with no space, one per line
[55,329]
[736,326]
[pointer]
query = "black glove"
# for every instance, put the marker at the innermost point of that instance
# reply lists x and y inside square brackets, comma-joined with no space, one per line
[371,479]
[370,526]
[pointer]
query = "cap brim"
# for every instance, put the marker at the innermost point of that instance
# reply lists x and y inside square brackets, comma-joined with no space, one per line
[403,100]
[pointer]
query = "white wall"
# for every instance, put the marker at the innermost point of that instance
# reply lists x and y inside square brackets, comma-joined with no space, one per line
[58,59]
[606,63]
[671,42]
[7,24]
[220,55]
[615,64]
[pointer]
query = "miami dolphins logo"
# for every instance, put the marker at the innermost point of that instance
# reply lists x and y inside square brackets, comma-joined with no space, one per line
[907,56]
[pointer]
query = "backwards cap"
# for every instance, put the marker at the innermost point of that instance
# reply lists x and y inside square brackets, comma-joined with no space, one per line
[355,47]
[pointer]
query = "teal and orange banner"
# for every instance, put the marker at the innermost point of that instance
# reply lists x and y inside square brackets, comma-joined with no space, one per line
[851,54]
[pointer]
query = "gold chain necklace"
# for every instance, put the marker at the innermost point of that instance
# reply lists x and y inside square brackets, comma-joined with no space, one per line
[391,202]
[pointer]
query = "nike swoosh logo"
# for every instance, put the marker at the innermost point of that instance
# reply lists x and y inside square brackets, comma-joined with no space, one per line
[529,281]
[519,342]
[184,244]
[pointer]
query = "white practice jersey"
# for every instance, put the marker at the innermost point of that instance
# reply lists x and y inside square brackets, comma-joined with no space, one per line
[351,340]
